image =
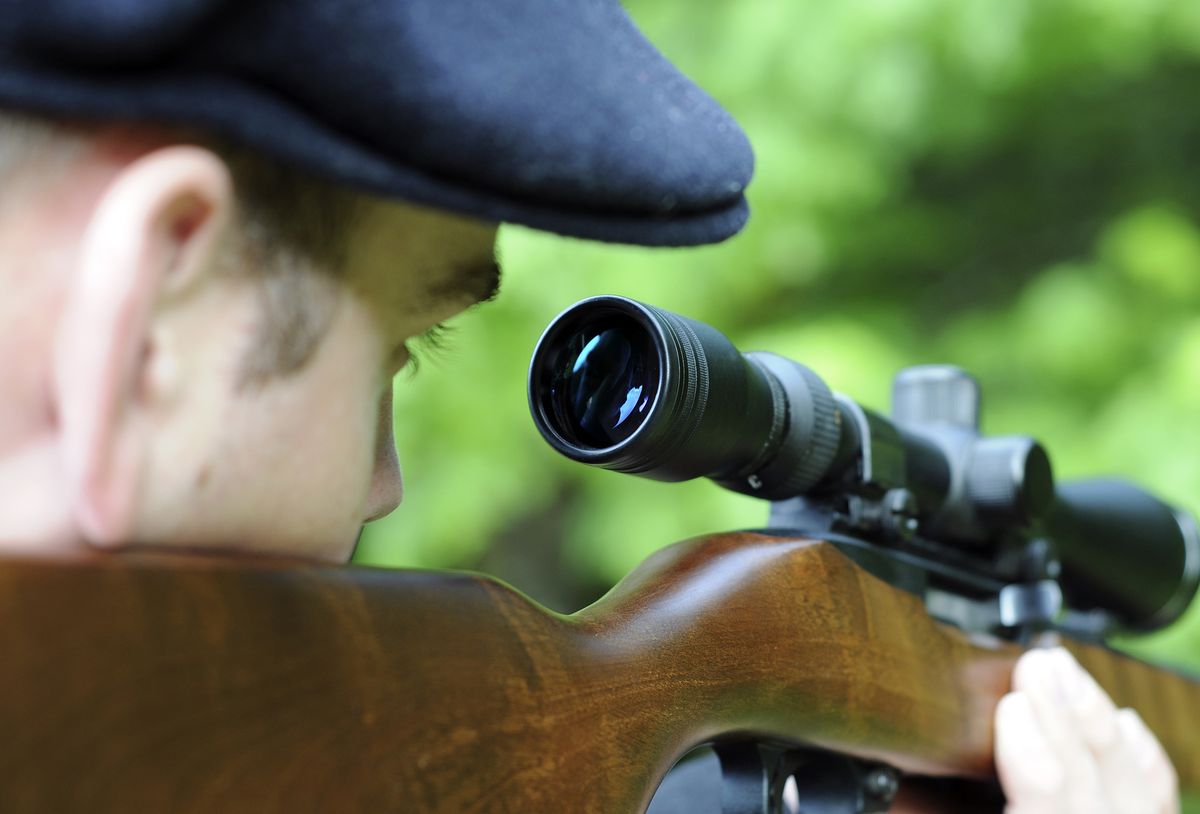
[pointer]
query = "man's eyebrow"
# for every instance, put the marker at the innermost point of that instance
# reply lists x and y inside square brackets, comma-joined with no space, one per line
[478,280]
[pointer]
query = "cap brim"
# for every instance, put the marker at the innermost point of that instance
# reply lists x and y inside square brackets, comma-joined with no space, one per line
[567,121]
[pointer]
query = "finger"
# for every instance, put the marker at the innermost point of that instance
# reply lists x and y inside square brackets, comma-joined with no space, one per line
[1095,718]
[1137,774]
[1162,783]
[1032,776]
[1094,712]
[1038,673]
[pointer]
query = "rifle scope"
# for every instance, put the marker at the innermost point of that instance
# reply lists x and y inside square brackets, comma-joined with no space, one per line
[629,387]
[626,386]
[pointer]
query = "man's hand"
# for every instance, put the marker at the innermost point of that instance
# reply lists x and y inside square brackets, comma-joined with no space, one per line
[1062,747]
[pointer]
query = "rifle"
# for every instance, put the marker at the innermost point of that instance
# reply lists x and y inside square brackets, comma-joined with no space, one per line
[156,682]
[160,683]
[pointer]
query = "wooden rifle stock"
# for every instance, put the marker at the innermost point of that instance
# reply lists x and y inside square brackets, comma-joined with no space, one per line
[157,683]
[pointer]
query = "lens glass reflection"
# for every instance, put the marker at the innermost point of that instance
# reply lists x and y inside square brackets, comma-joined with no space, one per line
[605,382]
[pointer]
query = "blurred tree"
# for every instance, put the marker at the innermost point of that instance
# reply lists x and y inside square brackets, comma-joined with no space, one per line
[1013,187]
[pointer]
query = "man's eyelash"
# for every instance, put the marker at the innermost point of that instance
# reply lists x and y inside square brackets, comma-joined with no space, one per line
[432,344]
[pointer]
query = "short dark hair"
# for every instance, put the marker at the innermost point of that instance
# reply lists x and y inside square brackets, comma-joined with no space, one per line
[291,222]
[292,241]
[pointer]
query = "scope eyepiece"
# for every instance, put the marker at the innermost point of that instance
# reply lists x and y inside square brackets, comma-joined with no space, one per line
[629,387]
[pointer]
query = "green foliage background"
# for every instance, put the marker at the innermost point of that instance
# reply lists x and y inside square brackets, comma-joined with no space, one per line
[1009,186]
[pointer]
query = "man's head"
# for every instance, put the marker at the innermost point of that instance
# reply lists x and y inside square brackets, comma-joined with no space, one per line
[200,341]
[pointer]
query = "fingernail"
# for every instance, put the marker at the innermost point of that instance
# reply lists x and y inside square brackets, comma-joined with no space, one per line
[1138,737]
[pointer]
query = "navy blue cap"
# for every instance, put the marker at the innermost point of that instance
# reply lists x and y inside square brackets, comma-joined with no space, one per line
[556,114]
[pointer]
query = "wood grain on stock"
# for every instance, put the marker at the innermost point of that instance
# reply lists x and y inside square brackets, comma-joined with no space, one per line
[172,684]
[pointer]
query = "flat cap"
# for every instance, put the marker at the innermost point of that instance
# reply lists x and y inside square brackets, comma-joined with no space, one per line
[557,114]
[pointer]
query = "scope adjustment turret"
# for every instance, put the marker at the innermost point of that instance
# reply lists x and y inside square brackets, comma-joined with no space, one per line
[1009,480]
[936,394]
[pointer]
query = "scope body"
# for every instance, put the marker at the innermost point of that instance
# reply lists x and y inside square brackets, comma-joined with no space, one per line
[626,386]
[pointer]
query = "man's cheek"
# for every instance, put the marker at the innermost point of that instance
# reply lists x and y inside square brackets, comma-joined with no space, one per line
[387,486]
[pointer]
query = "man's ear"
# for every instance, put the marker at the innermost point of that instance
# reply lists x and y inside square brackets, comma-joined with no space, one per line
[151,237]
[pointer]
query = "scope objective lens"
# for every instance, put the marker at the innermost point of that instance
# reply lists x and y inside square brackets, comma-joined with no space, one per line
[603,381]
[633,388]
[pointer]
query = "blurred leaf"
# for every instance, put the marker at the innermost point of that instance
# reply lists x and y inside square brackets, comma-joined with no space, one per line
[1158,248]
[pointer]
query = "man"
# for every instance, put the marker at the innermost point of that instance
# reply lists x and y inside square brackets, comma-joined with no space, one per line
[221,224]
